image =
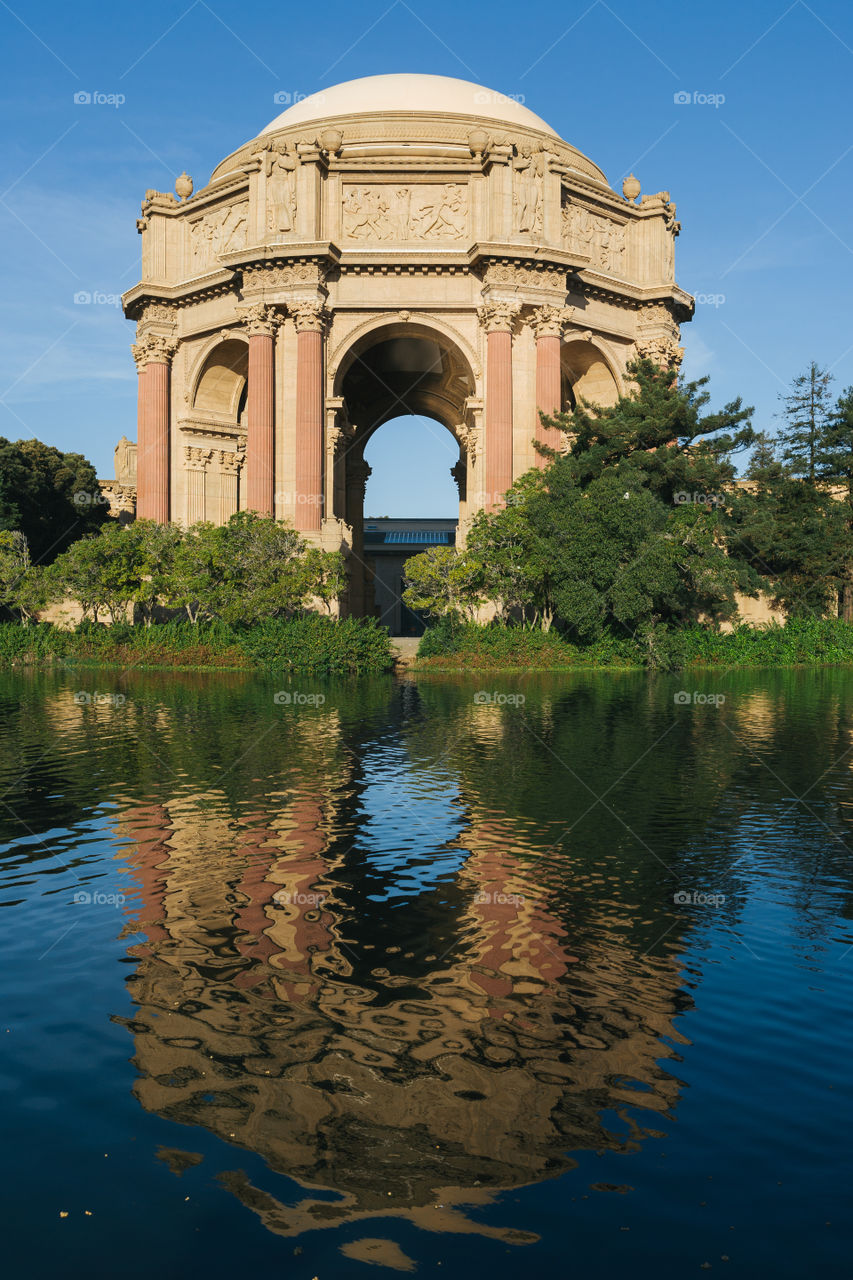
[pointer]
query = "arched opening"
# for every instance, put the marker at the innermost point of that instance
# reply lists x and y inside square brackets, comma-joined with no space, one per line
[585,374]
[417,381]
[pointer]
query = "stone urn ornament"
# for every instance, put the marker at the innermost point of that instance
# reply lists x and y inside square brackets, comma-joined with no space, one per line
[631,187]
[184,186]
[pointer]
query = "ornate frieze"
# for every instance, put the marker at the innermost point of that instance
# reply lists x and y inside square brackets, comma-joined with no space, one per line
[601,239]
[521,274]
[402,213]
[218,231]
[278,275]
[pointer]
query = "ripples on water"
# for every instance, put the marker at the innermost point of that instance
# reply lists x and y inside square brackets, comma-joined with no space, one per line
[407,979]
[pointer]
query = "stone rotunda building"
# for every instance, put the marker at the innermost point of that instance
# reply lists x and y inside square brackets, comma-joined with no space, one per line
[400,244]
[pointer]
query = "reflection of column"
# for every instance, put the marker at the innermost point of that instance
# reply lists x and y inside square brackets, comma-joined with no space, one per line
[260,407]
[153,355]
[229,471]
[309,318]
[358,472]
[497,319]
[547,324]
[195,464]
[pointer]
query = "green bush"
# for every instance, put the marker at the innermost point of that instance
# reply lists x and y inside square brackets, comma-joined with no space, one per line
[310,644]
[800,642]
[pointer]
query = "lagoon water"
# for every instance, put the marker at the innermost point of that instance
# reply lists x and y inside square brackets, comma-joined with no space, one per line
[418,976]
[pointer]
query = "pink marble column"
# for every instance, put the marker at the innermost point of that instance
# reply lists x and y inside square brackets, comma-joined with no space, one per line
[309,416]
[260,408]
[548,323]
[547,390]
[153,356]
[497,317]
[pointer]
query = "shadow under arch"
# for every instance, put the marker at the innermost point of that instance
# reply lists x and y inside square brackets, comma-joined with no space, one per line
[220,382]
[393,369]
[586,373]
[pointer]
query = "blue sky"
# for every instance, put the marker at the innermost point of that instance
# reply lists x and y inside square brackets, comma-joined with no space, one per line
[763,180]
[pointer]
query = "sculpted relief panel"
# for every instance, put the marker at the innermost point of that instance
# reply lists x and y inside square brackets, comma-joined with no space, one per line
[592,234]
[217,232]
[425,211]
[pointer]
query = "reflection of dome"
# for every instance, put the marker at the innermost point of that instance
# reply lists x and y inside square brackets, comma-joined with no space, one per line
[409,95]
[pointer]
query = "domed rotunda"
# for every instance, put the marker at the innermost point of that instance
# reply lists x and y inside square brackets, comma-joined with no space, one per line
[399,244]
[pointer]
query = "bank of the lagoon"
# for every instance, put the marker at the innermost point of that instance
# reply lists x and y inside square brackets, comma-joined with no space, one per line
[310,644]
[324,646]
[484,974]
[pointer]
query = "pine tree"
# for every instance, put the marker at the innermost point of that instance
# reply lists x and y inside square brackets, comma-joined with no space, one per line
[835,468]
[807,413]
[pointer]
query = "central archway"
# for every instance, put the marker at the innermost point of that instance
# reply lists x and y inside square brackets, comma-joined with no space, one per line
[396,369]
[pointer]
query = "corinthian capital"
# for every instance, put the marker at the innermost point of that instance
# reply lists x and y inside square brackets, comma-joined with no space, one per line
[549,321]
[260,318]
[153,348]
[498,317]
[308,315]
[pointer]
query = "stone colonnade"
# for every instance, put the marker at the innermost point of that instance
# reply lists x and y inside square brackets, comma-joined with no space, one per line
[309,488]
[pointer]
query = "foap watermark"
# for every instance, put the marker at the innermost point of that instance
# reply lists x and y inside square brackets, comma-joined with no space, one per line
[699,499]
[487,97]
[294,698]
[684,698]
[491,698]
[84,699]
[289,97]
[86,899]
[83,98]
[709,299]
[85,298]
[285,898]
[287,498]
[698,898]
[684,98]
[84,498]
[484,898]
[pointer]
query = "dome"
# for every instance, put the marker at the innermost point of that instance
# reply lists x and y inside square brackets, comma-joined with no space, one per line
[409,94]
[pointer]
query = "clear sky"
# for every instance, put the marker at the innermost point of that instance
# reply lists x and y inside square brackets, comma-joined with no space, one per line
[763,179]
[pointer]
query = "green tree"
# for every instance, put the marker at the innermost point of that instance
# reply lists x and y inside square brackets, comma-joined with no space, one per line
[638,523]
[807,413]
[443,582]
[50,496]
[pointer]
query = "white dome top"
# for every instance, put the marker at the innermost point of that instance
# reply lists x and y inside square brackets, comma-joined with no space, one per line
[409,93]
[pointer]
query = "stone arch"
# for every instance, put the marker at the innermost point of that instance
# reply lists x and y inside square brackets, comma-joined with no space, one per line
[416,323]
[220,379]
[586,371]
[388,369]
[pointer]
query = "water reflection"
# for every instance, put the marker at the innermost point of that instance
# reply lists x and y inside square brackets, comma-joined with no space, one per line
[414,950]
[361,981]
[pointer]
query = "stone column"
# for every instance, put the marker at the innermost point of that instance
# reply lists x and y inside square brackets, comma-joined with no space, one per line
[260,450]
[229,472]
[547,324]
[309,317]
[497,319]
[153,354]
[195,465]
